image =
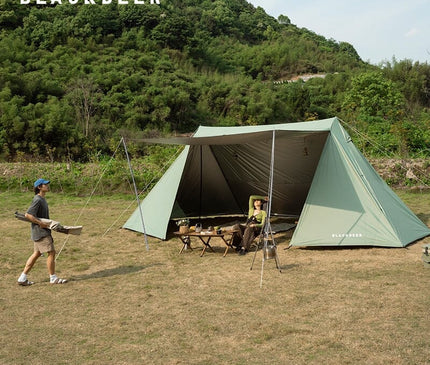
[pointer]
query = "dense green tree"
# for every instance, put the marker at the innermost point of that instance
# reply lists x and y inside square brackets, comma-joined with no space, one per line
[173,31]
[12,14]
[283,19]
[414,79]
[373,95]
[378,106]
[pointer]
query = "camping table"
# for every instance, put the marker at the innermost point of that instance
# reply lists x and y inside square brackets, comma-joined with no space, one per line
[205,237]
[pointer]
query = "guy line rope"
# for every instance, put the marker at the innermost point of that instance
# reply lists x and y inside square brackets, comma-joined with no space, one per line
[131,203]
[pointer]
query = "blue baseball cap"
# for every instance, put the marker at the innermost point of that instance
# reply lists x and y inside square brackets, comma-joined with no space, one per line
[40,182]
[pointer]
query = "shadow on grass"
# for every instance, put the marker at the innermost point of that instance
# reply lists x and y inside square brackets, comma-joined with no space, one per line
[424,217]
[289,266]
[282,268]
[122,270]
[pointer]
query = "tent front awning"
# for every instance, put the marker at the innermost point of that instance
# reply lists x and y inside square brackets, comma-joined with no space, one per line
[244,134]
[229,139]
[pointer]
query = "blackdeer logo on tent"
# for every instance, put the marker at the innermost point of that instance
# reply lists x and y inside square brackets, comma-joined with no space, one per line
[349,235]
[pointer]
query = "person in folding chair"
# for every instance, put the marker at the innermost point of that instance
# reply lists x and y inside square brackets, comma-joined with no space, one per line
[252,228]
[40,234]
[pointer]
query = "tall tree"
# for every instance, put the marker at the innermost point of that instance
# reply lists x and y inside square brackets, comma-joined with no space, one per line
[84,96]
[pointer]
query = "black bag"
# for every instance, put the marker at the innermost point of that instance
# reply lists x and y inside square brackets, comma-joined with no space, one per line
[251,220]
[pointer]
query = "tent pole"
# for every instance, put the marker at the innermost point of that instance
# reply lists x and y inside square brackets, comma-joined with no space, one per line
[201,183]
[136,193]
[267,226]
[272,164]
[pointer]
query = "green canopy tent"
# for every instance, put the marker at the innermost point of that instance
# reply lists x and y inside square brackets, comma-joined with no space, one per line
[318,176]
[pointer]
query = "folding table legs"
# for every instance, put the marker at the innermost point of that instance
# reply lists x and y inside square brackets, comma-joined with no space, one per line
[186,243]
[206,243]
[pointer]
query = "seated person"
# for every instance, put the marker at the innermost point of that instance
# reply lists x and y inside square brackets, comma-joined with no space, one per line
[256,219]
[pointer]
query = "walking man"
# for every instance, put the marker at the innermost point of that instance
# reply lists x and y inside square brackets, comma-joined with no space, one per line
[40,234]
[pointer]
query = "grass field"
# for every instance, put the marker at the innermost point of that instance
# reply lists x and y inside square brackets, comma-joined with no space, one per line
[127,305]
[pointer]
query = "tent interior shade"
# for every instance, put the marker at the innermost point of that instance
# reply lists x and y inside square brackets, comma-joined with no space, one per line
[218,178]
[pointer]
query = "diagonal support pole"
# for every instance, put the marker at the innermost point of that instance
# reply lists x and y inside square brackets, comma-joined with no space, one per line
[137,194]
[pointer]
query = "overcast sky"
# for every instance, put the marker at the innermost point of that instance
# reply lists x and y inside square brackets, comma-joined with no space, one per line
[378,29]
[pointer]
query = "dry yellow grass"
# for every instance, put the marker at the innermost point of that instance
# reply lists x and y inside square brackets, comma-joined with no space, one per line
[127,305]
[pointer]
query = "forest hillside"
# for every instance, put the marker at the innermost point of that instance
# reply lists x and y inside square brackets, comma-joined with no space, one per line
[74,78]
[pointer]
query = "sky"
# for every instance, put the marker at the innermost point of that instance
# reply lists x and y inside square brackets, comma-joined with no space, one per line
[378,29]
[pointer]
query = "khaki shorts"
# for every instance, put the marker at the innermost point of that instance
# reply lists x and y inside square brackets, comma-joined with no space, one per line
[45,244]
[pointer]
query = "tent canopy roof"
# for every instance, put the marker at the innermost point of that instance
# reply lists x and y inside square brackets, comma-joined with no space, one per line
[245,134]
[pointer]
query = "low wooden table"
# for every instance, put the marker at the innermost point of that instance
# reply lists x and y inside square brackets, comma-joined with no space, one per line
[205,237]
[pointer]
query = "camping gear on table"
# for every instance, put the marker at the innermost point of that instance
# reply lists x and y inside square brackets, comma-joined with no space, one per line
[183,229]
